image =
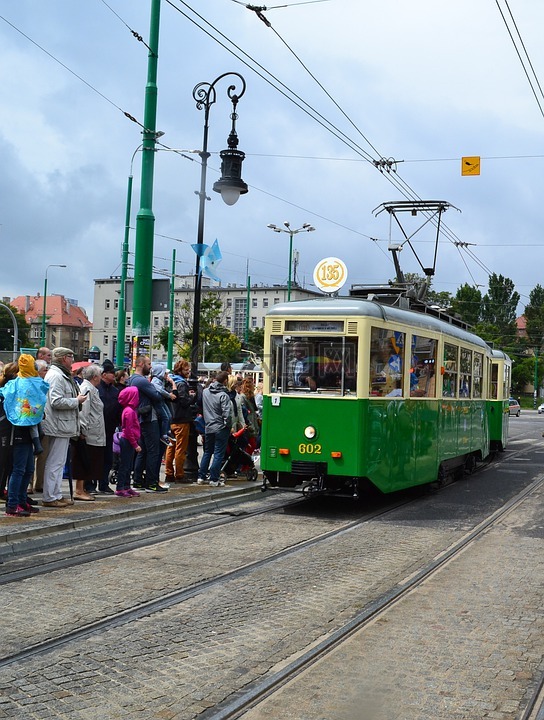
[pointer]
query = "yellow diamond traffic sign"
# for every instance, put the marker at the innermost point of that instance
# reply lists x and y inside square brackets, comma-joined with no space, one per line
[470,165]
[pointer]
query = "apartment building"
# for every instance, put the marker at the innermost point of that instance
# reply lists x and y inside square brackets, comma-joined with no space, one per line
[234,301]
[66,323]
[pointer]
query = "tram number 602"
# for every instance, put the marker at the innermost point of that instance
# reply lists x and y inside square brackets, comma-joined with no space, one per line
[309,449]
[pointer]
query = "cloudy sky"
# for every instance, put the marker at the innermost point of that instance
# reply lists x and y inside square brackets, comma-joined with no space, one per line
[424,83]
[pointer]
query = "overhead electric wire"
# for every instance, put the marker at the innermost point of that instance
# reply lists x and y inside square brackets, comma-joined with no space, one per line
[399,184]
[132,32]
[523,65]
[72,72]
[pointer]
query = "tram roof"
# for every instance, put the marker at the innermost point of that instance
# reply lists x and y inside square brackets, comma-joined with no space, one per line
[353,306]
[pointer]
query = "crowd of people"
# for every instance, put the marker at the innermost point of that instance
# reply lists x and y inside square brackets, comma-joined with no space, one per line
[109,431]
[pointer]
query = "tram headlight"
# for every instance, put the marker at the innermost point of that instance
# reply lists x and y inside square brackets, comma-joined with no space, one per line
[310,432]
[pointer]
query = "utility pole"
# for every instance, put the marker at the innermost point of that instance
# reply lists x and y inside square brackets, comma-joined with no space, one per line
[145,220]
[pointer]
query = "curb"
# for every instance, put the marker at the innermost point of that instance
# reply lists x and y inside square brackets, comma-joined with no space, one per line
[41,538]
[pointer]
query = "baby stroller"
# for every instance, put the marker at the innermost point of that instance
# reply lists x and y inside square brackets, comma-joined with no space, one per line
[237,458]
[116,454]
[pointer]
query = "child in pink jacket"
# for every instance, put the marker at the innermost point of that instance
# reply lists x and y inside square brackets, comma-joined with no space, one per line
[129,440]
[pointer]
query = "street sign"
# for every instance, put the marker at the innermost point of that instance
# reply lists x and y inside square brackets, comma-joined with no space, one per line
[470,165]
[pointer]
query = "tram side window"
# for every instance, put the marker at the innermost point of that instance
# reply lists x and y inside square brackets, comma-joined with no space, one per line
[477,375]
[506,387]
[494,382]
[422,367]
[449,377]
[386,363]
[465,377]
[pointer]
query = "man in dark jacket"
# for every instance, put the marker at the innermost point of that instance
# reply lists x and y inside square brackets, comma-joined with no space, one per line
[112,418]
[217,409]
[183,413]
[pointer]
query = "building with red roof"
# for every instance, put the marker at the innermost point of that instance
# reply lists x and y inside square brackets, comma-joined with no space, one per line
[67,324]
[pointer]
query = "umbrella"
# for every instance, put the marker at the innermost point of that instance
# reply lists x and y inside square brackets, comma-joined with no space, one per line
[78,365]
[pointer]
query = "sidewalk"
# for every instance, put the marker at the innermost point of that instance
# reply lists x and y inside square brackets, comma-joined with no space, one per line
[52,526]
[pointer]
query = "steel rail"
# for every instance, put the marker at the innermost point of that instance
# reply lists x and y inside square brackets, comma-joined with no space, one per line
[261,689]
[178,596]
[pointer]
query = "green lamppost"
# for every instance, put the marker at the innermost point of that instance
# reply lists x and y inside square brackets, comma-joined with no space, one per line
[145,220]
[305,228]
[44,316]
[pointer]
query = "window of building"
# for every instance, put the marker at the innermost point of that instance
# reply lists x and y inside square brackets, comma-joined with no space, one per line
[229,302]
[386,363]
[253,302]
[106,340]
[107,303]
[228,321]
[106,322]
[240,313]
[156,321]
[265,302]
[166,321]
[115,322]
[116,304]
[276,300]
[75,335]
[253,322]
[129,321]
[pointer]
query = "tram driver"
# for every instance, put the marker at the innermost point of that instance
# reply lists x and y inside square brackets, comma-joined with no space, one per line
[300,375]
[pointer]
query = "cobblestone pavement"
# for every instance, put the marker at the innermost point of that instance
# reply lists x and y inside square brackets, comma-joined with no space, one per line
[186,659]
[469,644]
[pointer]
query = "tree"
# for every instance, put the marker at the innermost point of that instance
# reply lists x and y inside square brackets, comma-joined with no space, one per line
[216,343]
[161,339]
[467,304]
[523,374]
[498,316]
[6,329]
[534,316]
[255,341]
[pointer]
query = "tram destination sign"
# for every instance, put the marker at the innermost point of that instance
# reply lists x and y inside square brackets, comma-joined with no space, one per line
[306,326]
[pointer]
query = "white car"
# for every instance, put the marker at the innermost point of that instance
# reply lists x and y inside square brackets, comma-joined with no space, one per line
[541,409]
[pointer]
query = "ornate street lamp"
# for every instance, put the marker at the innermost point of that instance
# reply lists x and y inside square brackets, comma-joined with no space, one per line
[44,320]
[230,184]
[305,228]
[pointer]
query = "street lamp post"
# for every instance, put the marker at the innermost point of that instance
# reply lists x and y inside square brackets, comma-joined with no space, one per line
[15,331]
[44,317]
[305,228]
[122,307]
[230,184]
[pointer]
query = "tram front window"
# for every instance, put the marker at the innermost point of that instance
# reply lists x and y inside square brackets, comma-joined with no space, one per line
[313,364]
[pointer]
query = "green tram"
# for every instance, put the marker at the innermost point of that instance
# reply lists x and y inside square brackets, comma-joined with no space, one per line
[359,392]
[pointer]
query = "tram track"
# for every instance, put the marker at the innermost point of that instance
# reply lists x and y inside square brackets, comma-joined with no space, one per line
[261,689]
[180,595]
[86,555]
[156,605]
[119,547]
[82,554]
